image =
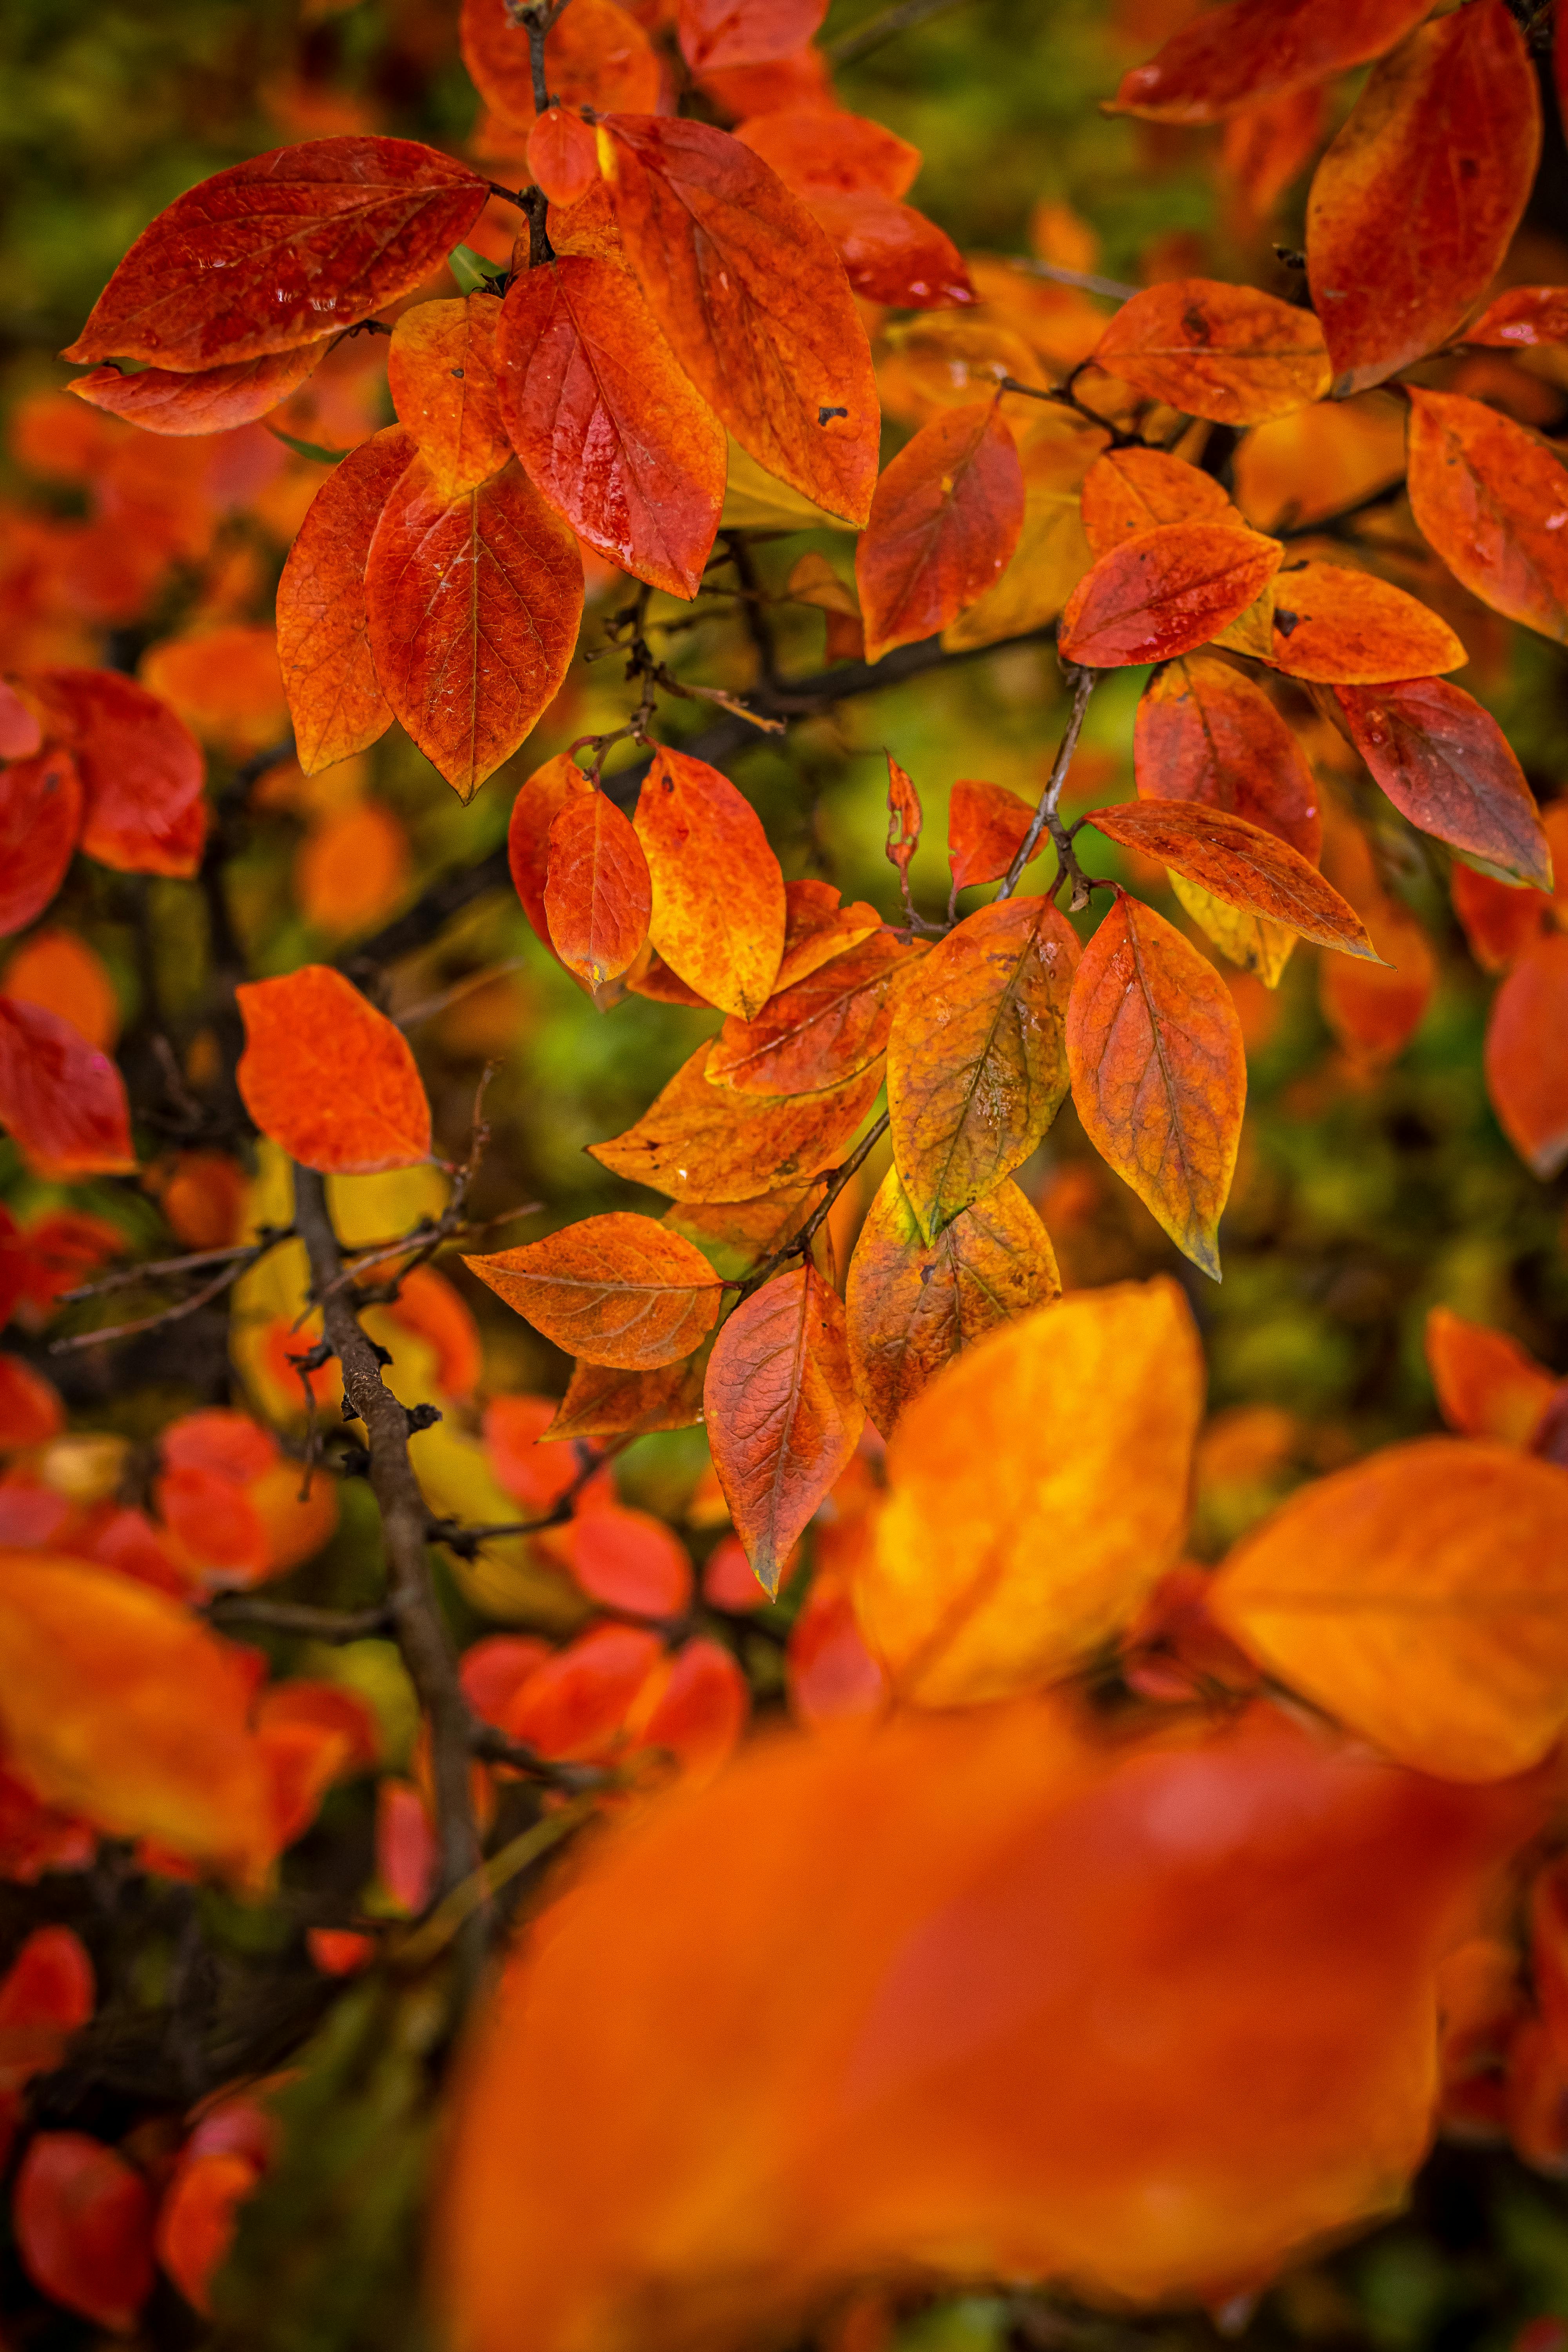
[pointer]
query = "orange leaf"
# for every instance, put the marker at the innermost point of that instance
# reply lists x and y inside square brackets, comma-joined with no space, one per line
[280,250]
[1375,1009]
[702,1142]
[1129,490]
[441,374]
[1498,920]
[630,1560]
[1526,1064]
[1252,49]
[577,1704]
[40,817]
[831,154]
[597,894]
[1447,765]
[225,685]
[210,400]
[83,2218]
[976,1063]
[1422,1597]
[618,1289]
[715,33]
[1349,628]
[328,1078]
[20,733]
[1486,1385]
[119,1705]
[1079,1417]
[1227,353]
[601,1402]
[718,915]
[701,1712]
[752,301]
[1487,494]
[818,928]
[596,55]
[607,425]
[1523,318]
[1414,205]
[1241,863]
[198,2217]
[141,770]
[1268,144]
[822,1030]
[1159,1071]
[1206,732]
[351,870]
[781,1413]
[1164,590]
[890,252]
[474,603]
[323,636]
[58,970]
[987,826]
[562,155]
[62,1100]
[913,1306]
[533,812]
[905,819]
[945,522]
[1052,554]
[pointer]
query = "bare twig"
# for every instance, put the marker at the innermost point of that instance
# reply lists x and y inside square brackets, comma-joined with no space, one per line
[496,1746]
[239,1261]
[800,1242]
[1111,287]
[867,37]
[425,1942]
[1064,397]
[1083,683]
[296,1617]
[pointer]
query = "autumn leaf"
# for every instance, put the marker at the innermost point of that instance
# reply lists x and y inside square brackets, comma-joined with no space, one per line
[324,633]
[1526,1070]
[40,817]
[1523,318]
[1249,51]
[1499,919]
[533,814]
[831,154]
[911,1306]
[820,1031]
[1052,553]
[976,1063]
[604,1401]
[1134,490]
[1079,1417]
[1447,765]
[781,1413]
[986,827]
[328,1078]
[1419,1597]
[117,1705]
[621,1290]
[141,770]
[1375,1009]
[597,896]
[278,251]
[818,928]
[943,524]
[607,425]
[83,2218]
[20,732]
[474,603]
[1159,1071]
[717,895]
[210,400]
[704,1143]
[1486,1385]
[1227,353]
[1241,863]
[1415,205]
[1339,628]
[753,301]
[890,252]
[595,54]
[715,33]
[61,1100]
[1486,493]
[1164,590]
[1250,941]
[905,820]
[562,155]
[441,374]
[1207,733]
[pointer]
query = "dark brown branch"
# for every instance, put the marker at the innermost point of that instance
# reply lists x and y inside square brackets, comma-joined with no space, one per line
[421,1635]
[296,1617]
[496,1746]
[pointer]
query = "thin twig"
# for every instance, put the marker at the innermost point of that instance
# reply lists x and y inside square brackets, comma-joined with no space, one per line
[493,1746]
[1083,683]
[1111,287]
[296,1617]
[867,37]
[1064,397]
[474,1892]
[799,1243]
[153,1268]
[176,1313]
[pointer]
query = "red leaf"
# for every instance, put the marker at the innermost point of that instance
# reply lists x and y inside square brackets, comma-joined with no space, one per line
[905,818]
[596,55]
[609,428]
[752,301]
[890,252]
[62,1100]
[198,2216]
[715,33]
[1445,764]
[279,251]
[441,374]
[1252,49]
[782,1414]
[630,1560]
[20,733]
[1206,732]
[945,522]
[702,1711]
[406,1856]
[562,155]
[597,897]
[141,770]
[1240,862]
[533,811]
[208,400]
[323,635]
[40,815]
[1414,205]
[474,605]
[1523,318]
[47,1992]
[1492,498]
[1527,1054]
[573,1706]
[819,154]
[987,825]
[1498,920]
[328,1078]
[1166,591]
[83,2218]
[818,1032]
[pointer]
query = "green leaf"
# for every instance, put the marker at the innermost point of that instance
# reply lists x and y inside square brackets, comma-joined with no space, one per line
[471,270]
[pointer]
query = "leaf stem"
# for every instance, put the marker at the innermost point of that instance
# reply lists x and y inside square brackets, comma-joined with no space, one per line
[1045,819]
